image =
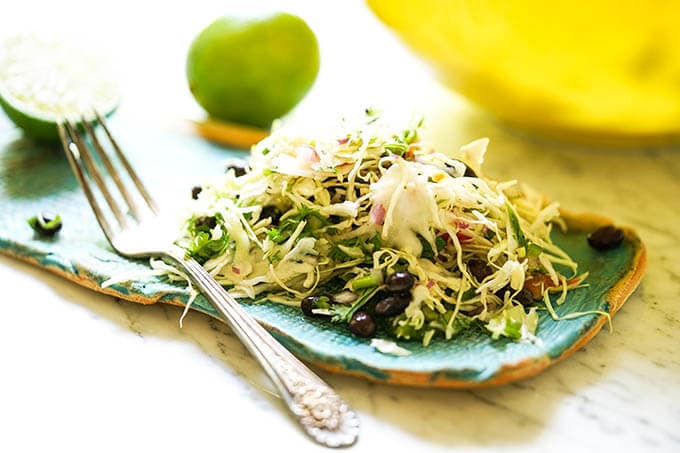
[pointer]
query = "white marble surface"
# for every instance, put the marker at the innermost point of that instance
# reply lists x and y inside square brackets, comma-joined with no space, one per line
[84,372]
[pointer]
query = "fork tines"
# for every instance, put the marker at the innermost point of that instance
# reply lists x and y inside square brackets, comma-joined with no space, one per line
[82,150]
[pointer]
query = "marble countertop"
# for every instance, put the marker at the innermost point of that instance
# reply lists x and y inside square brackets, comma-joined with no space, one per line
[85,372]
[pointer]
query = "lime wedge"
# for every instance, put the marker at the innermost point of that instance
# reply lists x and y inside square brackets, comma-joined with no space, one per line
[43,81]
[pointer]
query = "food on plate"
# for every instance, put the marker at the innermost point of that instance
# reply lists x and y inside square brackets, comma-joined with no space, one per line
[372,228]
[45,224]
[252,70]
[606,237]
[43,81]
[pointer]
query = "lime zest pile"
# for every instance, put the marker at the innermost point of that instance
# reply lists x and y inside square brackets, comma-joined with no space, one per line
[330,219]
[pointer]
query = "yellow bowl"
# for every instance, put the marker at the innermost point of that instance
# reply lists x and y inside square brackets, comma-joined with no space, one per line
[604,70]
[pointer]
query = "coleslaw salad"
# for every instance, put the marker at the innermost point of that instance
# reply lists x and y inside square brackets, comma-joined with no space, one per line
[330,219]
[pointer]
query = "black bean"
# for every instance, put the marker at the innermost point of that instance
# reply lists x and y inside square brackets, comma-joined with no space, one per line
[307,305]
[310,303]
[362,324]
[405,295]
[501,292]
[606,238]
[479,269]
[206,222]
[271,212]
[195,191]
[399,281]
[525,297]
[392,305]
[239,170]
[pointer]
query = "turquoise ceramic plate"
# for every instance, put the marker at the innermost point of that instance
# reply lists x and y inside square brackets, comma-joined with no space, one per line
[35,179]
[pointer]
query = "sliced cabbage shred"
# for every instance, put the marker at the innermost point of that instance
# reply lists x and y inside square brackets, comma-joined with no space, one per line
[313,213]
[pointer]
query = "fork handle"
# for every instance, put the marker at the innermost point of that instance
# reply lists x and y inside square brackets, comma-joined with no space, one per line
[319,410]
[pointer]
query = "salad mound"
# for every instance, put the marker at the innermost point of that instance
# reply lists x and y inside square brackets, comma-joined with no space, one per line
[375,229]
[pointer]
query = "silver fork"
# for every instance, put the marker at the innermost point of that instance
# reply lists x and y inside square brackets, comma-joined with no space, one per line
[137,230]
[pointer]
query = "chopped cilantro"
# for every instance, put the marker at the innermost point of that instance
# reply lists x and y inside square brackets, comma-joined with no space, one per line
[514,223]
[396,148]
[274,234]
[203,246]
[427,251]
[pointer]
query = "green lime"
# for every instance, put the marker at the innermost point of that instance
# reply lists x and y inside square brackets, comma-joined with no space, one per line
[43,81]
[252,70]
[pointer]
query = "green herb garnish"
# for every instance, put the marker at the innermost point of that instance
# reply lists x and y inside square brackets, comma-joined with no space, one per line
[45,224]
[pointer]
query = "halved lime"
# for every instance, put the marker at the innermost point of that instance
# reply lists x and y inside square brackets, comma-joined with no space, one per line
[43,81]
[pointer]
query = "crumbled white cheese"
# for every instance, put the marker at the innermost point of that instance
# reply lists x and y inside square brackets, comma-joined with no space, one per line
[389,347]
[411,207]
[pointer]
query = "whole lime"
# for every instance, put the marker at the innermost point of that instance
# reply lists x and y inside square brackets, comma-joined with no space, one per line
[252,70]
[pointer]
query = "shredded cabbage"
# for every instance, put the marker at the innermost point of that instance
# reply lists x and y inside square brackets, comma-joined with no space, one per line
[320,215]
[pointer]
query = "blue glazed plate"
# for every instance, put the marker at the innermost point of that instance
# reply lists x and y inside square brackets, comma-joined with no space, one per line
[35,179]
